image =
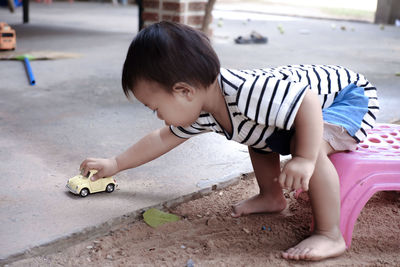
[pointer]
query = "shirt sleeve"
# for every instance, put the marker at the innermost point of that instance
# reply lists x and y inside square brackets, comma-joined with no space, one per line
[188,132]
[271,101]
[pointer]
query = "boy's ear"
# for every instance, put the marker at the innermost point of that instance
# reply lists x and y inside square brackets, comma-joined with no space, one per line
[184,90]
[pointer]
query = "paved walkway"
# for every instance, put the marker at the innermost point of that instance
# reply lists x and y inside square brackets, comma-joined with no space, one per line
[77,109]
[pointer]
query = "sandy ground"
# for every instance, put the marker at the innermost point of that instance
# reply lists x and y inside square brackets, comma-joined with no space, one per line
[208,236]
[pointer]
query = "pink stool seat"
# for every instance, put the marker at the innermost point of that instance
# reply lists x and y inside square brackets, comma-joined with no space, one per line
[373,167]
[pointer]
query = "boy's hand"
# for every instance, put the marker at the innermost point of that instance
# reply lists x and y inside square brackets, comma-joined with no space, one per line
[297,173]
[104,167]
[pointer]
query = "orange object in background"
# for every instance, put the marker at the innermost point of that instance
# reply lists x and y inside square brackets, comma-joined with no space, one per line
[7,37]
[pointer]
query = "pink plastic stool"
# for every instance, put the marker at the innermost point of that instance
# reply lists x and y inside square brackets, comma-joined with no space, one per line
[373,167]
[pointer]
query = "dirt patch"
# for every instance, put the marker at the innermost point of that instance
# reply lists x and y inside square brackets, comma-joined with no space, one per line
[208,236]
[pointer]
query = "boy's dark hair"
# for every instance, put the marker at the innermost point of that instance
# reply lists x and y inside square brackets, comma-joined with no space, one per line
[168,53]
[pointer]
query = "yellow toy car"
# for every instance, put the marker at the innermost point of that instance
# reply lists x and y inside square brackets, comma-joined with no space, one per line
[83,186]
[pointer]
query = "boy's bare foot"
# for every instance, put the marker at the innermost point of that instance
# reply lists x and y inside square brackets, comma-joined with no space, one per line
[259,204]
[316,247]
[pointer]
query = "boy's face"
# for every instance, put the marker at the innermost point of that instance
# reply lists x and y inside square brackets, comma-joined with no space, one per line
[181,107]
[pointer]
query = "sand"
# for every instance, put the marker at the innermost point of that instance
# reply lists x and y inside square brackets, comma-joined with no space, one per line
[208,236]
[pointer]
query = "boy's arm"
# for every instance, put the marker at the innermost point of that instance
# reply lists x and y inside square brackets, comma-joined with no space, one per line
[146,149]
[307,143]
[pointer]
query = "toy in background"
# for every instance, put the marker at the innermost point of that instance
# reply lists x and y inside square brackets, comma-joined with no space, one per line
[28,69]
[11,4]
[8,39]
[83,185]
[26,57]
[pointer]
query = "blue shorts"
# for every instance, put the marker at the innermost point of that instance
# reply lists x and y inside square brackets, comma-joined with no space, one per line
[348,109]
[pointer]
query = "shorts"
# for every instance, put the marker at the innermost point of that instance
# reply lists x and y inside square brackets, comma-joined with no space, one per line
[278,142]
[336,135]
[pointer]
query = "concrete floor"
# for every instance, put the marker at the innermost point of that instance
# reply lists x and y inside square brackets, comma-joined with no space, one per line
[77,109]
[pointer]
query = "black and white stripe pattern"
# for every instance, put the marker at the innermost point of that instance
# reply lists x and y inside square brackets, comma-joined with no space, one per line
[262,99]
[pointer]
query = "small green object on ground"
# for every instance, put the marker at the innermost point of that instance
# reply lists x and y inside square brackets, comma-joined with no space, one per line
[397,73]
[23,56]
[280,29]
[155,217]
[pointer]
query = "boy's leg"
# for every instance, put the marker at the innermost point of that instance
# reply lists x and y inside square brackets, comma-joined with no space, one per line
[327,240]
[270,199]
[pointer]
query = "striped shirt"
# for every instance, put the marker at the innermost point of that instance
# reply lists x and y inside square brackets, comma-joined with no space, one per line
[262,100]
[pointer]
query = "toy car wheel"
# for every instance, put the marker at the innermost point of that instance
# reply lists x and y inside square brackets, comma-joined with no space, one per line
[110,188]
[84,192]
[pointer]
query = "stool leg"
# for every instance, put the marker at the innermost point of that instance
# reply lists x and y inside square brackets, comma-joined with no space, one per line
[354,201]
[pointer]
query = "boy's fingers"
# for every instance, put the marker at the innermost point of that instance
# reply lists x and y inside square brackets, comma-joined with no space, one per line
[94,177]
[281,179]
[98,175]
[297,184]
[84,167]
[289,182]
[90,166]
[84,170]
[83,164]
[86,162]
[94,166]
[304,184]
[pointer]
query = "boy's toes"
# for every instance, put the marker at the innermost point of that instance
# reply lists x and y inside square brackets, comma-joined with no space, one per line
[316,247]
[304,254]
[236,213]
[288,254]
[297,253]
